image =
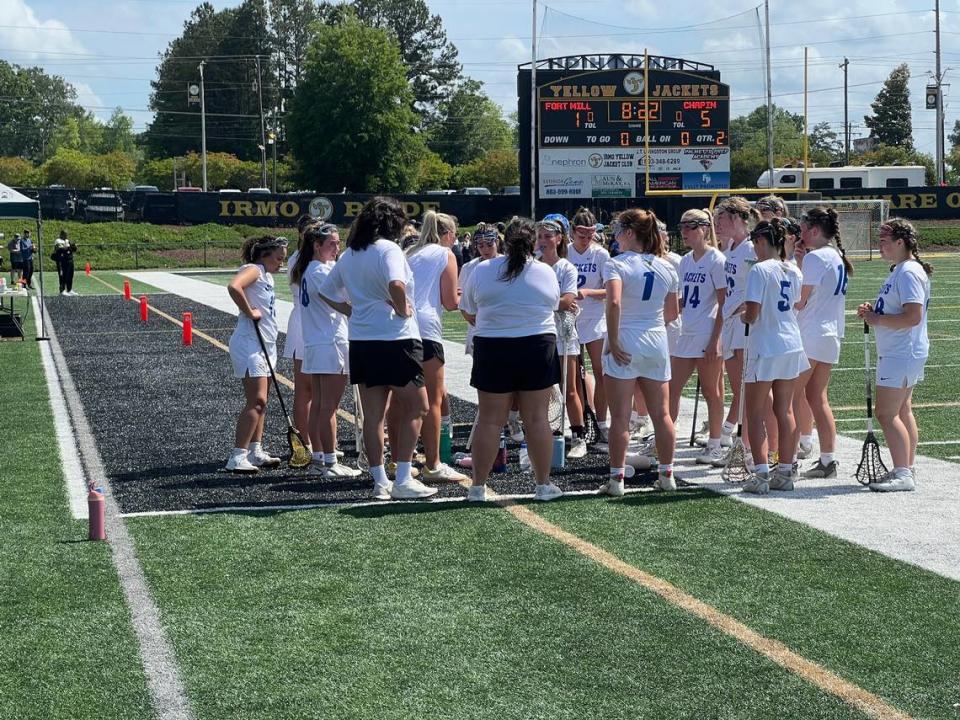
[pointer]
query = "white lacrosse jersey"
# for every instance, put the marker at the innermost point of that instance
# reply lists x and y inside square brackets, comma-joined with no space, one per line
[589,265]
[699,282]
[519,307]
[566,277]
[775,284]
[427,265]
[823,315]
[321,323]
[736,266]
[261,296]
[908,283]
[646,280]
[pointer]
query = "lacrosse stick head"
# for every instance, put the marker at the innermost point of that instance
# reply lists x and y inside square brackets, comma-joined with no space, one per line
[735,471]
[555,409]
[299,455]
[871,468]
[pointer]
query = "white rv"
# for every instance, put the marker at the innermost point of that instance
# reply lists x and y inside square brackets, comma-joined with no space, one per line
[846,177]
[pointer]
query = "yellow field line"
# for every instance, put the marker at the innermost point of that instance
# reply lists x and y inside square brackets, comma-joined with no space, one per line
[774,650]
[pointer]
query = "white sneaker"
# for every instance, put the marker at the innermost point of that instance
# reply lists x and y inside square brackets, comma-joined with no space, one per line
[895,483]
[412,489]
[515,430]
[804,450]
[443,473]
[382,492]
[758,484]
[666,481]
[262,458]
[72,293]
[547,492]
[578,449]
[612,487]
[477,493]
[340,471]
[717,457]
[726,441]
[242,465]
[781,481]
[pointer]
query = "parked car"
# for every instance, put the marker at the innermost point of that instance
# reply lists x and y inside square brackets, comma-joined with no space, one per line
[137,200]
[475,191]
[227,190]
[260,191]
[188,188]
[103,204]
[441,192]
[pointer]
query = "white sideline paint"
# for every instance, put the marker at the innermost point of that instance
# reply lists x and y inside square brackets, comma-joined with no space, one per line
[163,677]
[73,476]
[919,527]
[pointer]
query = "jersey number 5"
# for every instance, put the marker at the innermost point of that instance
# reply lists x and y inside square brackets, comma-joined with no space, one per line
[784,305]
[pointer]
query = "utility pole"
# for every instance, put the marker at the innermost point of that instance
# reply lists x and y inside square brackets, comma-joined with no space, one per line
[766,12]
[533,115]
[263,133]
[939,79]
[203,127]
[272,139]
[846,114]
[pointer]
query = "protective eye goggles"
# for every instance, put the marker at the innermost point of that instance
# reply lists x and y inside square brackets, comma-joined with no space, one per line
[766,205]
[551,226]
[692,224]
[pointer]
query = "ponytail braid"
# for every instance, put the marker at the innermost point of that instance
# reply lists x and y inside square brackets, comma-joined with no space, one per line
[903,230]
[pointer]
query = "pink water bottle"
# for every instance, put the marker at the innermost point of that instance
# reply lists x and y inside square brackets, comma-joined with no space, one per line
[96,507]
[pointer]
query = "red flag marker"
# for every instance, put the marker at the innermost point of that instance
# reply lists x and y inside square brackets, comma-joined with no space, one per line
[127,293]
[87,269]
[143,308]
[96,507]
[188,328]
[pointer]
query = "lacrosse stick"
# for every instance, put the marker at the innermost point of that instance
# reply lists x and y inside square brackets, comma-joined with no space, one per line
[696,405]
[591,427]
[358,443]
[871,467]
[736,468]
[299,455]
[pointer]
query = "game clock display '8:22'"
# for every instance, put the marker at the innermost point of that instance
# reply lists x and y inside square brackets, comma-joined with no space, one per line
[621,122]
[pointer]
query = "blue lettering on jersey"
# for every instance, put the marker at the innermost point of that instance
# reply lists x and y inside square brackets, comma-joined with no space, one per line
[730,268]
[695,277]
[586,267]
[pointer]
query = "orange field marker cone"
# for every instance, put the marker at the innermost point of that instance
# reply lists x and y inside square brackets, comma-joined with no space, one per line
[188,328]
[143,308]
[87,269]
[96,508]
[127,293]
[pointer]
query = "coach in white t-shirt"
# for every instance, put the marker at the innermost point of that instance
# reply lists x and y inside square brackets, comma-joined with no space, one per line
[386,355]
[511,299]
[641,299]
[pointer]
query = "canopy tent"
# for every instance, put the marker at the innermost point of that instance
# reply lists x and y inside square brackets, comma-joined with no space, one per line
[14,204]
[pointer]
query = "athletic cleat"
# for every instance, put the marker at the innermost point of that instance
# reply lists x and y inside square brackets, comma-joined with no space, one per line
[612,487]
[547,492]
[263,459]
[578,449]
[515,430]
[666,481]
[392,470]
[477,493]
[717,457]
[338,470]
[382,492]
[804,450]
[822,471]
[894,482]
[411,490]
[443,473]
[779,481]
[241,464]
[758,484]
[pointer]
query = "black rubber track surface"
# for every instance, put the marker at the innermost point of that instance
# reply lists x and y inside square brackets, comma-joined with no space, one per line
[163,414]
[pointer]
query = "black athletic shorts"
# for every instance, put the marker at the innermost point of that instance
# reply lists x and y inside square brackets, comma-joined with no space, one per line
[432,349]
[386,362]
[504,365]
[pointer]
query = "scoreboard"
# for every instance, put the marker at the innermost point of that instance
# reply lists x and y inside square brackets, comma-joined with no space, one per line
[592,131]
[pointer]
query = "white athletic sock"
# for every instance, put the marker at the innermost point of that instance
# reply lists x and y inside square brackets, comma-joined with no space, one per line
[618,473]
[902,471]
[254,447]
[317,456]
[666,468]
[403,472]
[329,458]
[379,475]
[806,439]
[728,428]
[826,458]
[240,452]
[514,415]
[713,443]
[785,468]
[763,468]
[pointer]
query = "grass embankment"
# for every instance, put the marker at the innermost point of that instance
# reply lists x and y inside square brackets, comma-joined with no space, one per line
[68,650]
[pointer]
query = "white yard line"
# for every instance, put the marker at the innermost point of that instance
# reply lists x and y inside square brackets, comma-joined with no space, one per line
[73,475]
[860,369]
[918,528]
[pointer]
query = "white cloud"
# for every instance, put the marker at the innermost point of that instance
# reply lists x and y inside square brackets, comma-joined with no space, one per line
[30,39]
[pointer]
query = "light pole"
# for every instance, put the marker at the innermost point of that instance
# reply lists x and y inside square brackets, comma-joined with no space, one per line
[846,119]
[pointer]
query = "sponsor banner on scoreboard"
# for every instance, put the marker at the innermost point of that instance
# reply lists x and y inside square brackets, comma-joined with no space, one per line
[612,185]
[706,181]
[662,160]
[564,185]
[585,160]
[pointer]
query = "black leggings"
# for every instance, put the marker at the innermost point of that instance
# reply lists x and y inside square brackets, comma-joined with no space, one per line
[28,272]
[65,272]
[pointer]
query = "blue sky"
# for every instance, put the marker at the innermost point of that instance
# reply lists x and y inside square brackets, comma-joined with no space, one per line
[109,51]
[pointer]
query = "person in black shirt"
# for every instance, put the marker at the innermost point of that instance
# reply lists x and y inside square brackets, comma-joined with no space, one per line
[63,250]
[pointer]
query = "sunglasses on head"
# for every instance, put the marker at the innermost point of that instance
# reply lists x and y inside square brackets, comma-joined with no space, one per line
[328,229]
